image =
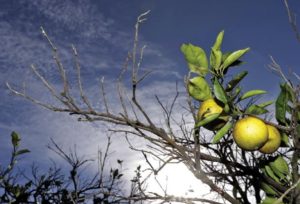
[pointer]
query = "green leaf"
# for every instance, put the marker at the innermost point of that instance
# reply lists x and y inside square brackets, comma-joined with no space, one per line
[226,55]
[219,91]
[196,59]
[224,130]
[17,191]
[235,80]
[15,139]
[22,151]
[252,93]
[236,93]
[281,105]
[271,174]
[284,140]
[280,165]
[233,57]
[269,190]
[256,110]
[291,93]
[215,59]
[199,89]
[265,104]
[207,119]
[219,40]
[270,200]
[289,108]
[226,108]
[216,54]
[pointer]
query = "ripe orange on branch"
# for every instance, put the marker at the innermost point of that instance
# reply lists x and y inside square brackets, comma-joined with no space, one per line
[209,107]
[250,133]
[273,142]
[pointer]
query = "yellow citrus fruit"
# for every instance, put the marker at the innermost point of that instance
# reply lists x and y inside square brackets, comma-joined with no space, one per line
[273,142]
[209,107]
[250,133]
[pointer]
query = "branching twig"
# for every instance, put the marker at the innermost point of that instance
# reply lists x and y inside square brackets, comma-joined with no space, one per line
[77,64]
[292,20]
[276,67]
[280,200]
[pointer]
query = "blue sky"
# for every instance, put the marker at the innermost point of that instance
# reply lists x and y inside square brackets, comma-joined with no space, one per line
[102,31]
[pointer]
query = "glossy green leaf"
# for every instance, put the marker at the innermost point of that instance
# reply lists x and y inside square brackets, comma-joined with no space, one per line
[280,165]
[235,80]
[226,108]
[15,139]
[256,110]
[233,57]
[289,109]
[236,63]
[223,131]
[16,191]
[236,93]
[269,190]
[22,151]
[281,106]
[252,93]
[219,40]
[219,91]
[216,54]
[259,108]
[290,100]
[196,59]
[284,140]
[207,119]
[225,56]
[291,93]
[280,175]
[271,174]
[270,200]
[215,59]
[199,89]
[265,104]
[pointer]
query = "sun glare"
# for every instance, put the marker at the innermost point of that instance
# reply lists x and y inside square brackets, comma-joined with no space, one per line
[178,181]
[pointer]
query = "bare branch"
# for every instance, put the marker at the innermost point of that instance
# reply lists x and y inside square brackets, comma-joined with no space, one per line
[104,95]
[280,200]
[297,76]
[276,67]
[77,64]
[58,62]
[120,85]
[35,101]
[45,82]
[292,20]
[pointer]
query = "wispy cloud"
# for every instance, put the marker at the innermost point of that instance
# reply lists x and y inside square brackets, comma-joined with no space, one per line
[102,48]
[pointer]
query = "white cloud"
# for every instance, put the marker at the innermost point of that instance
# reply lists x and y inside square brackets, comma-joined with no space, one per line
[19,48]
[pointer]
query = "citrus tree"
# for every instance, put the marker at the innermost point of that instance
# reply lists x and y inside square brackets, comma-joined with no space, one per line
[231,146]
[263,152]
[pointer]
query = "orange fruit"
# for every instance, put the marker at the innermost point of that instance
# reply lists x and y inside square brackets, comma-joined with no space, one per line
[250,133]
[273,142]
[209,107]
